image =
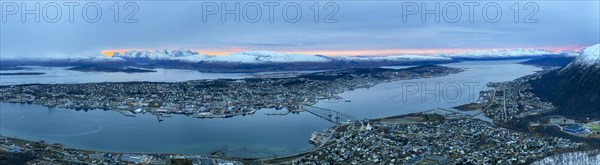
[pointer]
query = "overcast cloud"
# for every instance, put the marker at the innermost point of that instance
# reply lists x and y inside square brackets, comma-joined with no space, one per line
[361,25]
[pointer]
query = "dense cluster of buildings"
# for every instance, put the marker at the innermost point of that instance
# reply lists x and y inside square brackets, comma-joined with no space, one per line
[210,98]
[586,129]
[27,152]
[513,99]
[433,139]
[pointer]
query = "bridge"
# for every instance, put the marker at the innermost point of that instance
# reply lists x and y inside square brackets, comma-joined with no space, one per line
[328,114]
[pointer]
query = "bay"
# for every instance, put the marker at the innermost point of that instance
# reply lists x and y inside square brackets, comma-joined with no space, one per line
[257,135]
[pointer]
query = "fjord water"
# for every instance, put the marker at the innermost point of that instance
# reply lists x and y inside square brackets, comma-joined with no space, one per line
[410,96]
[54,75]
[256,135]
[63,75]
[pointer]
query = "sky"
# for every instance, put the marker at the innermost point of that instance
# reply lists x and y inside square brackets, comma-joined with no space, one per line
[350,27]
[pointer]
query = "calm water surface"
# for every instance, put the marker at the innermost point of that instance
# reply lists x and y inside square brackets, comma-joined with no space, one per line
[257,135]
[409,96]
[62,75]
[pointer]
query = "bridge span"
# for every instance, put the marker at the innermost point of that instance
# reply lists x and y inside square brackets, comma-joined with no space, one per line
[328,114]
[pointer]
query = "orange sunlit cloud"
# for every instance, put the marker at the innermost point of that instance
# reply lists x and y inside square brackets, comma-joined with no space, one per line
[110,53]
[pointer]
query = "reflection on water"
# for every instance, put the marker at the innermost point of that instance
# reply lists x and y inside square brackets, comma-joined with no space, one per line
[258,135]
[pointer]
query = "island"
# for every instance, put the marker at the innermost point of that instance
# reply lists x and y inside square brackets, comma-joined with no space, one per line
[220,98]
[21,73]
[97,68]
[10,67]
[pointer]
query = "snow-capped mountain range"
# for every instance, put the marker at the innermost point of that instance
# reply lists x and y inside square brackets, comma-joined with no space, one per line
[184,55]
[254,57]
[257,57]
[259,61]
[500,53]
[404,57]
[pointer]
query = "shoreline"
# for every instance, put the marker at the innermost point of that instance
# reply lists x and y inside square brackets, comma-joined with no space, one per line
[449,115]
[295,156]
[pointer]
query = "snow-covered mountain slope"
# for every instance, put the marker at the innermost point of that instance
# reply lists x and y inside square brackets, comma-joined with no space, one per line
[574,89]
[262,57]
[500,53]
[590,57]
